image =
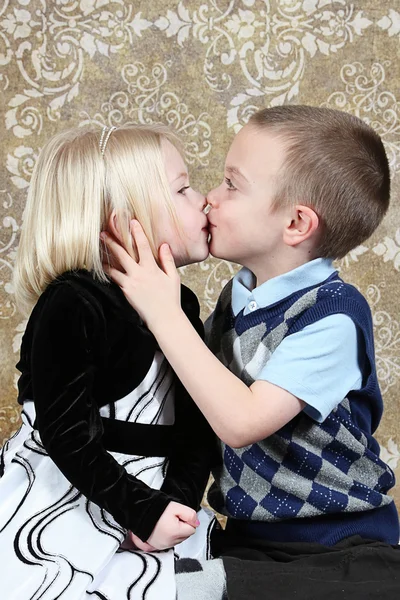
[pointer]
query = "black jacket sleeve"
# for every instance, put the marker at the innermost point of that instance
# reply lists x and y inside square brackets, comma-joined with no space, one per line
[65,343]
[195,450]
[195,444]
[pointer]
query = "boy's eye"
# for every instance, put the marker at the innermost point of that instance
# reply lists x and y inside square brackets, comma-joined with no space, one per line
[183,190]
[229,184]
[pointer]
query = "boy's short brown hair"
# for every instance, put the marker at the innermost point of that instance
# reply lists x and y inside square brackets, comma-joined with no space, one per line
[335,163]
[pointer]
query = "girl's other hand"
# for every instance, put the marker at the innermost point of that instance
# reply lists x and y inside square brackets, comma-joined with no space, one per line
[177,523]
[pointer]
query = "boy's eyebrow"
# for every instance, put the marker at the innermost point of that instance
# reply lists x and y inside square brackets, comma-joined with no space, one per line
[236,171]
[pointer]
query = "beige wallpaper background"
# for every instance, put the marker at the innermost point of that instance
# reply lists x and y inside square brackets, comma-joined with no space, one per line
[203,68]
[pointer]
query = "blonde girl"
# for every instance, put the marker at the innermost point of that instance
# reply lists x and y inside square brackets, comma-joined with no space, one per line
[111,448]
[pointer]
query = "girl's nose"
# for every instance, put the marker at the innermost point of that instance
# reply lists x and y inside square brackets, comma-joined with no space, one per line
[200,201]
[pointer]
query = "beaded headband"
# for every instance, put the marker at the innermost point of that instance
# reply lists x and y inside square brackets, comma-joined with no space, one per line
[105,136]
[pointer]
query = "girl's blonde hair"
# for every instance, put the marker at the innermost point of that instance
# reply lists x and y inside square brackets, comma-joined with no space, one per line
[74,190]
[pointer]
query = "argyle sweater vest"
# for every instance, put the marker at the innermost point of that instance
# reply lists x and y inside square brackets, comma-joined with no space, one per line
[306,472]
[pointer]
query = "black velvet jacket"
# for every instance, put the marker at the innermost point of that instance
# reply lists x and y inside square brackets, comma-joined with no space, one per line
[85,347]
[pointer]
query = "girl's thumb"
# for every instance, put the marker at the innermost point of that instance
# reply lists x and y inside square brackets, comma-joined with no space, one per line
[167,260]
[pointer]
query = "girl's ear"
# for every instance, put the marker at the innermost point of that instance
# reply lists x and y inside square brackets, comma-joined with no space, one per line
[113,229]
[113,226]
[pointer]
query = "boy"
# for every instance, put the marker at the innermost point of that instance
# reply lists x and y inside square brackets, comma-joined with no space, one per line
[294,396]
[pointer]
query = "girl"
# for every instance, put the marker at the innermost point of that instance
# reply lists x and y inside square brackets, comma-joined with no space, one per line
[110,443]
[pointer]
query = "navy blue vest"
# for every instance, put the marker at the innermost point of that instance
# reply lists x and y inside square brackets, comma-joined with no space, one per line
[310,481]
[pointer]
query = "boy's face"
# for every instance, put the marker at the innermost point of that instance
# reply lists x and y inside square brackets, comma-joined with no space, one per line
[243,227]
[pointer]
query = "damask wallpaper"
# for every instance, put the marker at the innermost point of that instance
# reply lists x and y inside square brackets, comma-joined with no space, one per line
[203,68]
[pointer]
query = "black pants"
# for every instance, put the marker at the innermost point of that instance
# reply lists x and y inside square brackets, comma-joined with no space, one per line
[354,569]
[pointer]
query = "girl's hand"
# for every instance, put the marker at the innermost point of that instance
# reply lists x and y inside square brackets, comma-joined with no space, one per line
[139,545]
[133,542]
[153,292]
[176,524]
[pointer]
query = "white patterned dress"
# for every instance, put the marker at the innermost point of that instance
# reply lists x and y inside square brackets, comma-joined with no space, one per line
[56,542]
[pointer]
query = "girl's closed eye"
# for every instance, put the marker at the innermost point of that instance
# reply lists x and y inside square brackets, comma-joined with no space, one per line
[183,189]
[229,183]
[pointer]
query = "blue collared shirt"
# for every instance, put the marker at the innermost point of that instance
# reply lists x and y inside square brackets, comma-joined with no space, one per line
[320,363]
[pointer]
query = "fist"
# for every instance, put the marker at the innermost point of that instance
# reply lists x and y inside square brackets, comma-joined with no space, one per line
[176,524]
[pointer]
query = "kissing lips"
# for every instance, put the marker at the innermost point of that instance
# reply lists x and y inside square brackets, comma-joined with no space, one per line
[206,230]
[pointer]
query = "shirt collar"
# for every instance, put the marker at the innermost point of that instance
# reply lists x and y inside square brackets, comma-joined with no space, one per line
[277,288]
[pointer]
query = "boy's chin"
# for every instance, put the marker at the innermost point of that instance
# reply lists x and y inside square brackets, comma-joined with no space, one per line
[194,258]
[225,256]
[215,253]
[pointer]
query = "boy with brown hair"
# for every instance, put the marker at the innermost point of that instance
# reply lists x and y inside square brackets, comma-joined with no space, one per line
[294,394]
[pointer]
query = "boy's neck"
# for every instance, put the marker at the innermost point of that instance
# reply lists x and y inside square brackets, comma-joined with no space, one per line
[274,266]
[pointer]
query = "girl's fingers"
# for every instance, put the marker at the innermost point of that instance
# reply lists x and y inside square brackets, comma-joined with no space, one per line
[140,545]
[167,260]
[115,275]
[187,515]
[142,244]
[145,547]
[185,530]
[123,258]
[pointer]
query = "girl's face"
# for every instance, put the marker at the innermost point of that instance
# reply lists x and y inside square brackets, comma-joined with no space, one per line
[191,244]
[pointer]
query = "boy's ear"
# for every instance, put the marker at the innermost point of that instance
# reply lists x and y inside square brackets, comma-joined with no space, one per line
[303,224]
[113,227]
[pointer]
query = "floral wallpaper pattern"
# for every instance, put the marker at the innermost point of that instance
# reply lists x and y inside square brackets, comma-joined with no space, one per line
[203,68]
